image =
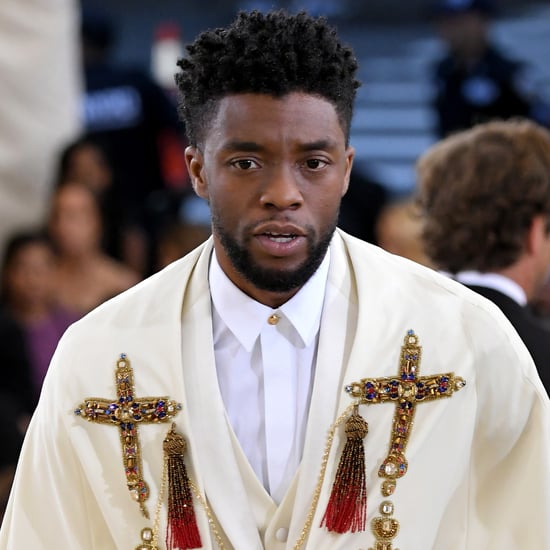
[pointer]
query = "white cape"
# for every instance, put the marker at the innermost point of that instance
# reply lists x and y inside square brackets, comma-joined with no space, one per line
[479,462]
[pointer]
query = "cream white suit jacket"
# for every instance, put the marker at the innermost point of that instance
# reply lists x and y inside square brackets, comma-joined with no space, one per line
[479,462]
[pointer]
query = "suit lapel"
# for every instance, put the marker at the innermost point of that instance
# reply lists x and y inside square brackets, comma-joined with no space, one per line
[236,497]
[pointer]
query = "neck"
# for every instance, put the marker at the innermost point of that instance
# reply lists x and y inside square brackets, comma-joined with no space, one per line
[79,262]
[521,275]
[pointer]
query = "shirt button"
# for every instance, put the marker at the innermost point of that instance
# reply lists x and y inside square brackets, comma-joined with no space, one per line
[282,534]
[273,319]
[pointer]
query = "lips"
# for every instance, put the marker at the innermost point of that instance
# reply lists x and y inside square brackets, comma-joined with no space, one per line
[279,231]
[280,239]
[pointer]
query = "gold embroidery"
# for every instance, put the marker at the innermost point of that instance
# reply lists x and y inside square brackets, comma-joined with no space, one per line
[127,412]
[406,390]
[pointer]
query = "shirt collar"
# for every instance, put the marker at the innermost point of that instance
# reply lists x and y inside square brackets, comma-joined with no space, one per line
[496,282]
[245,317]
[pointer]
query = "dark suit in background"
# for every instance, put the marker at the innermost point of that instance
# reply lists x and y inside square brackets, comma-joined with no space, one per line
[534,335]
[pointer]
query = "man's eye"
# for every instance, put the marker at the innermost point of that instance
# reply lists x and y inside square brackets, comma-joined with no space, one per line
[245,164]
[315,164]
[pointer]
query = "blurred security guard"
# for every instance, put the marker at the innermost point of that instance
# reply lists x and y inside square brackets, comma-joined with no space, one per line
[475,82]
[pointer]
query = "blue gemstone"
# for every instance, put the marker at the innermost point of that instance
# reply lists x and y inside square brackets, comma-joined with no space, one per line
[410,332]
[129,426]
[162,414]
[78,411]
[123,356]
[122,426]
[444,379]
[121,400]
[160,403]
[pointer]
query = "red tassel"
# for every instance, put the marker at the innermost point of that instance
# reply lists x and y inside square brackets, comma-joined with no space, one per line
[347,505]
[182,532]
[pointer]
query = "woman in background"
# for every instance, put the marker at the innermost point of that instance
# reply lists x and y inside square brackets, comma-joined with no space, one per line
[29,298]
[85,275]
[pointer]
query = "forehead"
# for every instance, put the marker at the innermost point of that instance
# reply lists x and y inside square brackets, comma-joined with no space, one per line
[262,118]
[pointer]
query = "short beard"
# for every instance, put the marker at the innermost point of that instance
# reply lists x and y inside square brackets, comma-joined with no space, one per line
[274,280]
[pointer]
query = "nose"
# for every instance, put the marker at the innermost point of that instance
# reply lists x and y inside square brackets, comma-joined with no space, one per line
[281,189]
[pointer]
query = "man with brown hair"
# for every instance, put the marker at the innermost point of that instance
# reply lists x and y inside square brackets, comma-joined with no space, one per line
[485,195]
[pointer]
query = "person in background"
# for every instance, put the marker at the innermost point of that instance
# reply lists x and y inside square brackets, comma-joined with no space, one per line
[31,324]
[485,200]
[398,230]
[361,206]
[475,81]
[135,123]
[190,228]
[84,160]
[28,295]
[275,346]
[85,275]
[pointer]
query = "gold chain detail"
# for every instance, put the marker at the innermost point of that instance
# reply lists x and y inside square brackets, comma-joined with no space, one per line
[317,492]
[211,520]
[158,508]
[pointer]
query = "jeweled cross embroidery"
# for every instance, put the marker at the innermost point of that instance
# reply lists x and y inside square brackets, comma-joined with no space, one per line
[407,390]
[127,412]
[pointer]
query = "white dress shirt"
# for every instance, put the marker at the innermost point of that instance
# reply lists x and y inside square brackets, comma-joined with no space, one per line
[265,361]
[495,281]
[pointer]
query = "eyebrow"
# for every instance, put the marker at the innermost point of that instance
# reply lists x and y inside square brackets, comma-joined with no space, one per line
[322,144]
[248,146]
[253,147]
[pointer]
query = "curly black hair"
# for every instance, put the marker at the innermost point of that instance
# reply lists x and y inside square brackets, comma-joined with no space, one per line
[275,54]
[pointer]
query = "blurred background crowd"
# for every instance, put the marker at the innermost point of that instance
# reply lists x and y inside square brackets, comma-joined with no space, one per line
[94,193]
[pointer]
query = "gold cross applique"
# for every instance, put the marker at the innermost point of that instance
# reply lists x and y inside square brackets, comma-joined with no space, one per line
[407,390]
[127,412]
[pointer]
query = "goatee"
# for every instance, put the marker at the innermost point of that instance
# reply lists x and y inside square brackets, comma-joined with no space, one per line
[270,279]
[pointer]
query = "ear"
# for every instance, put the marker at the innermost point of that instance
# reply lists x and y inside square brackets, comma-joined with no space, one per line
[195,166]
[350,154]
[536,235]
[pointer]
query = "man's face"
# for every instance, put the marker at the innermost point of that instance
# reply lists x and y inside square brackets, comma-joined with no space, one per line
[274,171]
[463,32]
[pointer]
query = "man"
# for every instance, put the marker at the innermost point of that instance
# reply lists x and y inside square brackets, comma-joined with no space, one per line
[475,81]
[274,336]
[485,194]
[134,122]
